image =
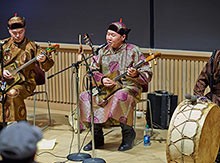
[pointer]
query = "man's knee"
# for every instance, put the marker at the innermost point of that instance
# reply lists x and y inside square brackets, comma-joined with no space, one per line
[13,92]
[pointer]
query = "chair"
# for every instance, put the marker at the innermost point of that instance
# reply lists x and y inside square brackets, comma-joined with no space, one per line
[48,107]
[41,81]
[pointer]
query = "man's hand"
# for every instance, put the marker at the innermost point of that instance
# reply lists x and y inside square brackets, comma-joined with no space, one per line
[107,82]
[7,74]
[132,72]
[41,58]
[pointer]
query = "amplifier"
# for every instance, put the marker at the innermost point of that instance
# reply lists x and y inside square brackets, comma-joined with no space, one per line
[163,105]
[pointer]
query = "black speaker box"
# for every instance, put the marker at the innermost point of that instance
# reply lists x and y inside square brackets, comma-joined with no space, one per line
[163,105]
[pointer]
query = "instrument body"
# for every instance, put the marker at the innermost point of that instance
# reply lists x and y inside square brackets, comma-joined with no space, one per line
[15,70]
[12,68]
[194,133]
[104,93]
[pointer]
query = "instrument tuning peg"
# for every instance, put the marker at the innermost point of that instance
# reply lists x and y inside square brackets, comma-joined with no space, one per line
[151,53]
[155,62]
[150,65]
[158,54]
[49,43]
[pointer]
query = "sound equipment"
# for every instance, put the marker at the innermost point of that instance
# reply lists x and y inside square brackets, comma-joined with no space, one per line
[163,105]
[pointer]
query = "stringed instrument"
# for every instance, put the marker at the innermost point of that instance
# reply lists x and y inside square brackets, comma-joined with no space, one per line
[103,93]
[14,69]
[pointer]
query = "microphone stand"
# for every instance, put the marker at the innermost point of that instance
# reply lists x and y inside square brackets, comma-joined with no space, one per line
[3,84]
[93,159]
[86,158]
[75,156]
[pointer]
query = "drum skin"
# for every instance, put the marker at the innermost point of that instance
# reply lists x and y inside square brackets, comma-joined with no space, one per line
[194,133]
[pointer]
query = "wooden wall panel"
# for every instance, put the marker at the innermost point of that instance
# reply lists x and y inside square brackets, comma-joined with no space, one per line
[175,71]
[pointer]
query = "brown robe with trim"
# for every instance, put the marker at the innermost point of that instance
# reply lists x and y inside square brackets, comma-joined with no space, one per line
[19,54]
[203,80]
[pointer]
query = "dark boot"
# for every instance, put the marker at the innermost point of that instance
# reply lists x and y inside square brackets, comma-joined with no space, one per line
[128,136]
[217,160]
[98,138]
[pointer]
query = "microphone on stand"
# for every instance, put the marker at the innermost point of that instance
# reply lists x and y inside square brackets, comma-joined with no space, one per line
[89,42]
[78,156]
[191,98]
[91,77]
[100,47]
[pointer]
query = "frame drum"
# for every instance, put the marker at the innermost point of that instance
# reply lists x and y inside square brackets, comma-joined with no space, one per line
[194,132]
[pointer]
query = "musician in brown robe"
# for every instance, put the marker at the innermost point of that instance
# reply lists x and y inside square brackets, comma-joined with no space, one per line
[17,50]
[210,77]
[114,59]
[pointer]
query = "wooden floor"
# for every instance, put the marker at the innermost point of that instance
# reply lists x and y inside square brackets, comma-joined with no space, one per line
[67,142]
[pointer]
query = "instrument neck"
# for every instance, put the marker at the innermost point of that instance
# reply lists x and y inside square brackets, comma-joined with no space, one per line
[25,65]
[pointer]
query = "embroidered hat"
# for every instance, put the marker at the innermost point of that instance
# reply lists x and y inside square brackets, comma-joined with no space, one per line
[119,27]
[16,22]
[19,140]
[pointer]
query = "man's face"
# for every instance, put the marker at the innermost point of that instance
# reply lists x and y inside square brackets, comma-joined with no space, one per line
[114,39]
[17,34]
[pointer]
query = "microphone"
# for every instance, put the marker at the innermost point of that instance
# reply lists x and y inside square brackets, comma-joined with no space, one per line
[188,96]
[100,47]
[191,98]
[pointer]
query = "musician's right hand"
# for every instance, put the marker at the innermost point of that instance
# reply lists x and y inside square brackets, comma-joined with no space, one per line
[41,58]
[107,82]
[7,74]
